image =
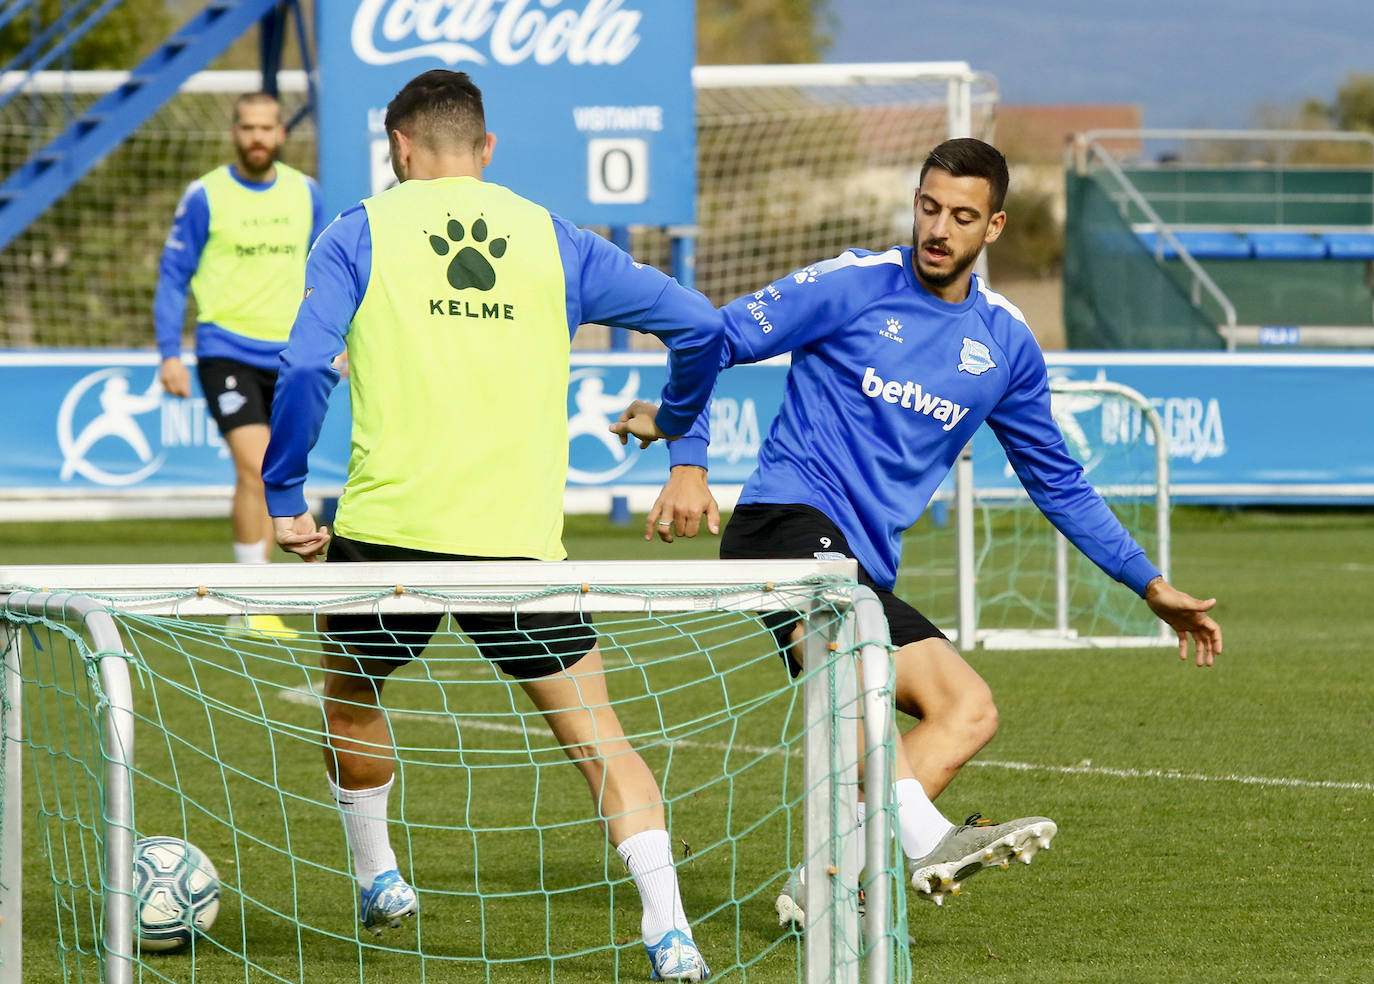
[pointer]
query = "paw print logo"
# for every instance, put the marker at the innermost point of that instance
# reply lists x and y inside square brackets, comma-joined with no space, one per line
[893,325]
[807,276]
[469,267]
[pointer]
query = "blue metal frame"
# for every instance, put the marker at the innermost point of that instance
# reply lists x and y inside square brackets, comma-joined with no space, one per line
[54,169]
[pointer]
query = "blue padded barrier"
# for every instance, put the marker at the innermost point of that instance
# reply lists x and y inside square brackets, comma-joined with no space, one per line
[1267,245]
[1349,245]
[1200,245]
[1286,246]
[1149,239]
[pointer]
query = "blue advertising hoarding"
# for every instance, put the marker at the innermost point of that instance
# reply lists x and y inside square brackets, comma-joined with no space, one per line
[603,384]
[98,423]
[1262,428]
[1248,427]
[591,101]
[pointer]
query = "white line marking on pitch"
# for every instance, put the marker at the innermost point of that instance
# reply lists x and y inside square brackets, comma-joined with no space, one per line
[301,695]
[1097,770]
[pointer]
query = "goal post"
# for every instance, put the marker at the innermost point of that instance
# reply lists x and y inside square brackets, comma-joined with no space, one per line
[145,715]
[1016,582]
[93,633]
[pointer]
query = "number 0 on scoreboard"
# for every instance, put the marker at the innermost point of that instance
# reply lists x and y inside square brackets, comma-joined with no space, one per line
[617,171]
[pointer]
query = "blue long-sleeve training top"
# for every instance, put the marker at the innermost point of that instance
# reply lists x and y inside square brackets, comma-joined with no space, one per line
[887,385]
[180,260]
[603,285]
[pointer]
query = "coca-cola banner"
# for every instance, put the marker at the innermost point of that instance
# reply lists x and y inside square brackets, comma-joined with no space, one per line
[591,100]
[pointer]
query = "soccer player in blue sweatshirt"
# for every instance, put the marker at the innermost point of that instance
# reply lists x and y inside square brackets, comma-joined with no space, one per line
[897,358]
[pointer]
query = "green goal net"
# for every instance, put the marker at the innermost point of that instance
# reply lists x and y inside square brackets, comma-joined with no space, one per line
[985,564]
[132,710]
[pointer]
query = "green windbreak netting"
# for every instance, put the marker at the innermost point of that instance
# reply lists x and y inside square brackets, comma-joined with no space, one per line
[1291,292]
[1115,295]
[1257,194]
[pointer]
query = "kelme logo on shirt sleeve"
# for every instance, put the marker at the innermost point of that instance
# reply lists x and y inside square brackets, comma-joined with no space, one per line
[469,267]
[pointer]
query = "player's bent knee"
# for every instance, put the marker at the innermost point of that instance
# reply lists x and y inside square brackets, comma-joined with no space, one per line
[246,482]
[971,715]
[981,718]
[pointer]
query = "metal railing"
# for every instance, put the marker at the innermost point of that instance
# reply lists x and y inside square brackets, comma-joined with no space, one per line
[1276,150]
[1088,150]
[1269,152]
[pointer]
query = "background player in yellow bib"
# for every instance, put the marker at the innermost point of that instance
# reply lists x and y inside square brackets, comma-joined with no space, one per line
[457,300]
[239,242]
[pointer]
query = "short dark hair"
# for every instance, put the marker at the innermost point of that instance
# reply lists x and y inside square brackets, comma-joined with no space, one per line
[438,109]
[256,99]
[968,157]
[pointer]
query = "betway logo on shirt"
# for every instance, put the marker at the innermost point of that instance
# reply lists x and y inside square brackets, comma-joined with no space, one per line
[602,32]
[912,397]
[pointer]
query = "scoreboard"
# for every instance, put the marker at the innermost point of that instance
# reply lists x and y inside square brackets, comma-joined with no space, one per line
[591,101]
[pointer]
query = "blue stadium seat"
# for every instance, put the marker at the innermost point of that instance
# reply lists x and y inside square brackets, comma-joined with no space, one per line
[1349,245]
[1149,239]
[1215,245]
[1286,246]
[1202,245]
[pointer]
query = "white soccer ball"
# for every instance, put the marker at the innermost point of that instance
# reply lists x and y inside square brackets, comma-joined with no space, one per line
[176,892]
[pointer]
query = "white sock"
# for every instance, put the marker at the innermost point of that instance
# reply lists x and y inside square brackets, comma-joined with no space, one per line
[365,828]
[922,825]
[250,553]
[649,856]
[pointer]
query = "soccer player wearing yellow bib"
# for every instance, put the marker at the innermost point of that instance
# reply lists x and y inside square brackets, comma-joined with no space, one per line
[239,242]
[457,301]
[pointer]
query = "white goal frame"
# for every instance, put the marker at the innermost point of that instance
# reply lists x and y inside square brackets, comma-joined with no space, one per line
[962,82]
[968,634]
[84,595]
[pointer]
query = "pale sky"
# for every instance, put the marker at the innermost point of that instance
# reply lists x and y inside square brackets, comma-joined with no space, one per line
[1188,63]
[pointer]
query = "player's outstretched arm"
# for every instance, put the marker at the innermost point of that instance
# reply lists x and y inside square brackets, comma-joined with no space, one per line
[638,421]
[679,507]
[300,536]
[1188,617]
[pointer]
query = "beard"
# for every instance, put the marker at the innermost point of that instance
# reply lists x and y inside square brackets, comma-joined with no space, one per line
[256,160]
[959,265]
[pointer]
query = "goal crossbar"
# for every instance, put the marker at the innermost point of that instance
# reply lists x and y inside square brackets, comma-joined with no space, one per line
[601,586]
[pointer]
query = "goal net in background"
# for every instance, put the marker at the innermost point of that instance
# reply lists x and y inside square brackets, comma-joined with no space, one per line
[83,275]
[984,564]
[132,711]
[796,163]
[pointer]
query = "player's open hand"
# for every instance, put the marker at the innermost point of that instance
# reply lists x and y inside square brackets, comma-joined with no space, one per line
[174,377]
[299,535]
[1188,617]
[680,505]
[638,421]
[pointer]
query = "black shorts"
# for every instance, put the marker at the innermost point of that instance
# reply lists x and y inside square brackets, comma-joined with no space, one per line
[529,645]
[758,531]
[236,393]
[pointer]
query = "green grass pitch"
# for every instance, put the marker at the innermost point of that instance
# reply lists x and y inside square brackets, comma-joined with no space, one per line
[1214,824]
